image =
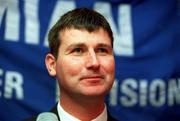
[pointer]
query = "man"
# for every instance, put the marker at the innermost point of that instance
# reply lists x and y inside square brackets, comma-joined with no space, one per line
[81,58]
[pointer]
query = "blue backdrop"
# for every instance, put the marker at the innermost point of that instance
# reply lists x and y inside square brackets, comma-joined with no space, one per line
[147,47]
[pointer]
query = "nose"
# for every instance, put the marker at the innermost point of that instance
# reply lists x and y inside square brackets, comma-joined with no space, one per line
[92,61]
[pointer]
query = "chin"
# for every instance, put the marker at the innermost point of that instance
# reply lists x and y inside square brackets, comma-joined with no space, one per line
[95,91]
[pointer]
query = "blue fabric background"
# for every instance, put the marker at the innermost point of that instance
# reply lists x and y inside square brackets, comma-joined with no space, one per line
[156,47]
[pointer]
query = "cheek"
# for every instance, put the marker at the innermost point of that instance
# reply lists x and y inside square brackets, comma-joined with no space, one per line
[71,66]
[108,65]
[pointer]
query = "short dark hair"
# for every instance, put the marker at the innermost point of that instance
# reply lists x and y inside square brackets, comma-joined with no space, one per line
[80,18]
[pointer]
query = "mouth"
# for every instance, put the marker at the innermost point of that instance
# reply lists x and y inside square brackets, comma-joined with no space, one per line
[92,78]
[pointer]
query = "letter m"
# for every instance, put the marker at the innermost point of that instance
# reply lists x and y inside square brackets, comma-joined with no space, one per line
[9,9]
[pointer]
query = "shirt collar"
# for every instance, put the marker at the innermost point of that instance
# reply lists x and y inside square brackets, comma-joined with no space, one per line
[65,116]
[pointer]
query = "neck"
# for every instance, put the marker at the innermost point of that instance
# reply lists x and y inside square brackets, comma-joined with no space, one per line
[83,108]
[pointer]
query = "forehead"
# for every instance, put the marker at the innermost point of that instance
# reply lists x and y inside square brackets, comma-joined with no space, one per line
[72,36]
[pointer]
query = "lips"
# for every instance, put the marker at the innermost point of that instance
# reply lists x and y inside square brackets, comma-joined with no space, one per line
[92,78]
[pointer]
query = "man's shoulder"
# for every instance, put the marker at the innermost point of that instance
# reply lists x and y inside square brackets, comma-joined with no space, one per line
[111,118]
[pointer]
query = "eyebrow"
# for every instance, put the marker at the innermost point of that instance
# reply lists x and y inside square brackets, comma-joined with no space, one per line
[76,45]
[104,45]
[84,45]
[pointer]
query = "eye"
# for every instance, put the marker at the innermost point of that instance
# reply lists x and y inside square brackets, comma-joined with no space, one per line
[77,51]
[102,50]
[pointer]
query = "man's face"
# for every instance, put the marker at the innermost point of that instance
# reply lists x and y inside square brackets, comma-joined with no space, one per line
[85,63]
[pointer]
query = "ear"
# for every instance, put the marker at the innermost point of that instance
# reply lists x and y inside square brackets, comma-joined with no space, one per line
[50,62]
